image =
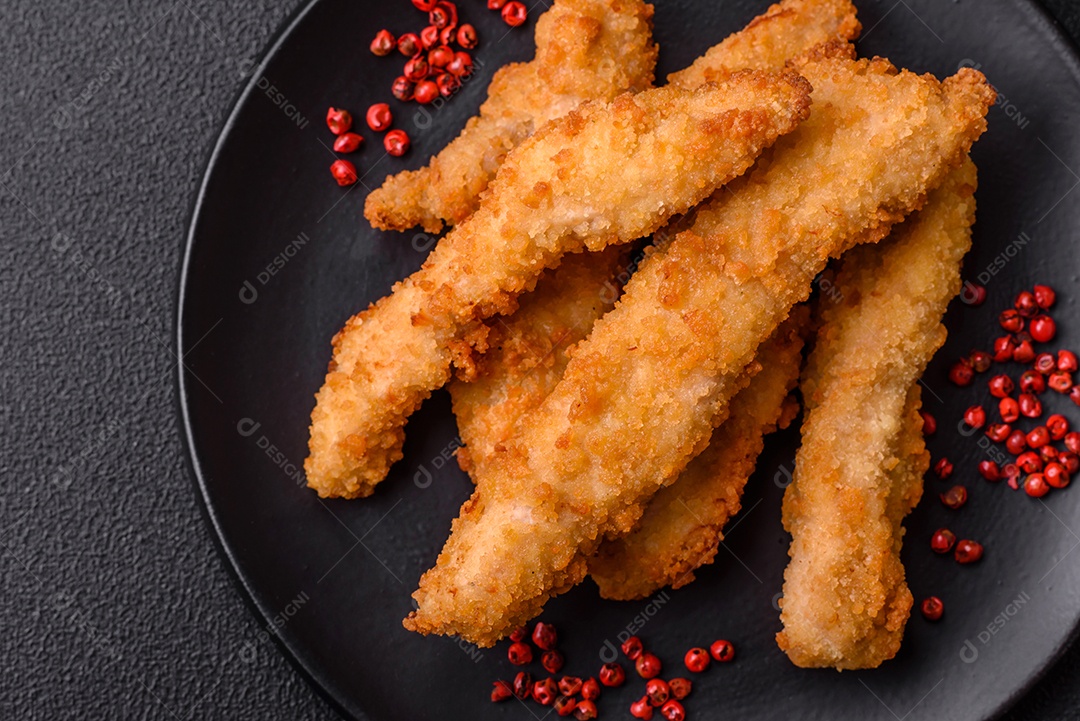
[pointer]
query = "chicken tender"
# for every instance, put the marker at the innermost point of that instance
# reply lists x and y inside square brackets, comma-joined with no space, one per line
[786,30]
[585,50]
[528,351]
[858,471]
[641,396]
[604,174]
[682,526]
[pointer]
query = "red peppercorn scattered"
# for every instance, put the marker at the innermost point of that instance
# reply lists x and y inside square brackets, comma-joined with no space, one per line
[409,45]
[552,661]
[1038,437]
[545,692]
[973,293]
[519,653]
[1058,425]
[961,373]
[424,5]
[657,692]
[1029,406]
[439,17]
[932,608]
[461,66]
[1045,363]
[429,37]
[1011,321]
[1024,353]
[612,674]
[1009,409]
[990,470]
[641,709]
[344,172]
[569,685]
[722,650]
[1011,471]
[426,91]
[1074,395]
[1025,304]
[975,417]
[384,43]
[590,690]
[673,711]
[929,423]
[955,497]
[565,705]
[1032,382]
[1029,462]
[1016,442]
[680,688]
[518,634]
[1004,347]
[545,636]
[647,665]
[466,37]
[1035,485]
[402,89]
[1055,475]
[1001,386]
[998,432]
[1060,381]
[1066,361]
[495,4]
[417,68]
[943,468]
[632,647]
[942,541]
[1044,296]
[697,660]
[968,551]
[447,84]
[396,143]
[585,710]
[379,117]
[347,143]
[980,360]
[514,13]
[1072,441]
[523,685]
[1043,329]
[1048,453]
[339,121]
[501,691]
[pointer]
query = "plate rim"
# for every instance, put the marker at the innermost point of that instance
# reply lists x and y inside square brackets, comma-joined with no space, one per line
[1064,46]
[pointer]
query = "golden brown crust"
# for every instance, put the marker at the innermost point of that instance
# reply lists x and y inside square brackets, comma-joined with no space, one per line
[557,193]
[529,350]
[585,50]
[786,30]
[859,469]
[642,394]
[683,524]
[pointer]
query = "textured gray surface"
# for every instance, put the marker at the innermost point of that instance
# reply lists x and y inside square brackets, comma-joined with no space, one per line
[116,603]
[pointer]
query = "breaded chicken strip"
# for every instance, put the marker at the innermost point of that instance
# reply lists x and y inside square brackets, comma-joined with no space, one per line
[845,601]
[528,351]
[682,525]
[585,50]
[786,30]
[643,393]
[531,345]
[604,174]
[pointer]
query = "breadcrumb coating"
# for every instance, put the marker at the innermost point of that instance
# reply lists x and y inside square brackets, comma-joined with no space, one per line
[606,173]
[858,471]
[785,31]
[528,351]
[682,526]
[643,392]
[585,50]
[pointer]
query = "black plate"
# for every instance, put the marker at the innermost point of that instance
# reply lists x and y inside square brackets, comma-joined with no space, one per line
[279,256]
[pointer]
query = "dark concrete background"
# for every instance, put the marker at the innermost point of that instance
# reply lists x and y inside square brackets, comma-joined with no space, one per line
[116,603]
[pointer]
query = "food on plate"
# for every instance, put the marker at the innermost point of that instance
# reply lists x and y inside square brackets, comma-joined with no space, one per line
[786,30]
[859,469]
[606,173]
[528,351]
[682,526]
[585,50]
[642,394]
